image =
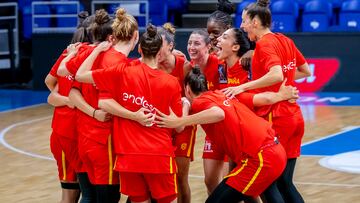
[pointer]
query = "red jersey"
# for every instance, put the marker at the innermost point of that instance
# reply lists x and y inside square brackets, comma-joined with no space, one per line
[134,87]
[240,132]
[74,64]
[235,76]
[178,71]
[211,71]
[64,117]
[98,131]
[276,49]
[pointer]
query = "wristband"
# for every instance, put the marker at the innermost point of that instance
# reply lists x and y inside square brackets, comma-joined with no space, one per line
[93,115]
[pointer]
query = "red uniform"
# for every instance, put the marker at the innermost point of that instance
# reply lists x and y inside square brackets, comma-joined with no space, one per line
[74,64]
[211,72]
[142,150]
[95,141]
[276,49]
[247,139]
[63,141]
[185,140]
[236,75]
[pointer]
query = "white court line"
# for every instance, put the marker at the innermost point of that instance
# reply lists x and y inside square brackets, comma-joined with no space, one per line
[7,145]
[328,184]
[22,108]
[7,129]
[346,129]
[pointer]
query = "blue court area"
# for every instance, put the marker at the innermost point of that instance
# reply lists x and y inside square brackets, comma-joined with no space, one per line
[13,99]
[330,99]
[346,141]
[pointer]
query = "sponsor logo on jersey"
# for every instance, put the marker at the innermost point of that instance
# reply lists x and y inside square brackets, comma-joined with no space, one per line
[183,146]
[138,100]
[207,146]
[233,81]
[290,66]
[70,77]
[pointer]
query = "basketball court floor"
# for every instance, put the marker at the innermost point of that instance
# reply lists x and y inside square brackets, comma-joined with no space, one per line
[327,171]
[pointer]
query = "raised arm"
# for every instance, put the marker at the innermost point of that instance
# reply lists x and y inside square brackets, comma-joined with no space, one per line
[72,50]
[84,74]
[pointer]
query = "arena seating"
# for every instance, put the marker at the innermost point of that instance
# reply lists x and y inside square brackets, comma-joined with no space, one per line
[284,15]
[316,16]
[288,15]
[350,15]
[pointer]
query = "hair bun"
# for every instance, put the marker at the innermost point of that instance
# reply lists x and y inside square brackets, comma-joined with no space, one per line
[101,17]
[226,6]
[151,30]
[263,3]
[120,13]
[169,27]
[83,14]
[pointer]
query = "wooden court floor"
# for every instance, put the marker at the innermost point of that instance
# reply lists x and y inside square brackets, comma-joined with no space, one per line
[28,175]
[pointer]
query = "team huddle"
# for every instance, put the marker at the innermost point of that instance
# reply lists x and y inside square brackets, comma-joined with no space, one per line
[134,121]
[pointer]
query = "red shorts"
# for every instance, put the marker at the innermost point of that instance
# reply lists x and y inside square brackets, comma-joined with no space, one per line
[65,153]
[142,186]
[255,174]
[185,142]
[98,160]
[290,131]
[212,151]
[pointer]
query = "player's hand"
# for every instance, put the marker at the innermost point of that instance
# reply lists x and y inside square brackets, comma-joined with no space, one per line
[288,92]
[103,46]
[73,48]
[231,92]
[167,121]
[69,103]
[145,117]
[102,115]
[245,60]
[178,53]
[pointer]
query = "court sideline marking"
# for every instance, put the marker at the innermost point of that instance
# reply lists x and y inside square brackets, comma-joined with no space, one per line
[7,145]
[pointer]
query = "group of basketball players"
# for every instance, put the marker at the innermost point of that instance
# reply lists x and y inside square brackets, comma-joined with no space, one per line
[134,121]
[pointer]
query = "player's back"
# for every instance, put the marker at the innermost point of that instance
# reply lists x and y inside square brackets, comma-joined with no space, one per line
[142,86]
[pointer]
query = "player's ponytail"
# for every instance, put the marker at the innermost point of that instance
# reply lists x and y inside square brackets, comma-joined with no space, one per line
[260,9]
[101,28]
[124,25]
[196,81]
[150,42]
[82,31]
[168,32]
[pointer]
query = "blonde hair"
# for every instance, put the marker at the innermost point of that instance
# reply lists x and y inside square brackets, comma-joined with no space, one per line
[124,25]
[168,31]
[169,27]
